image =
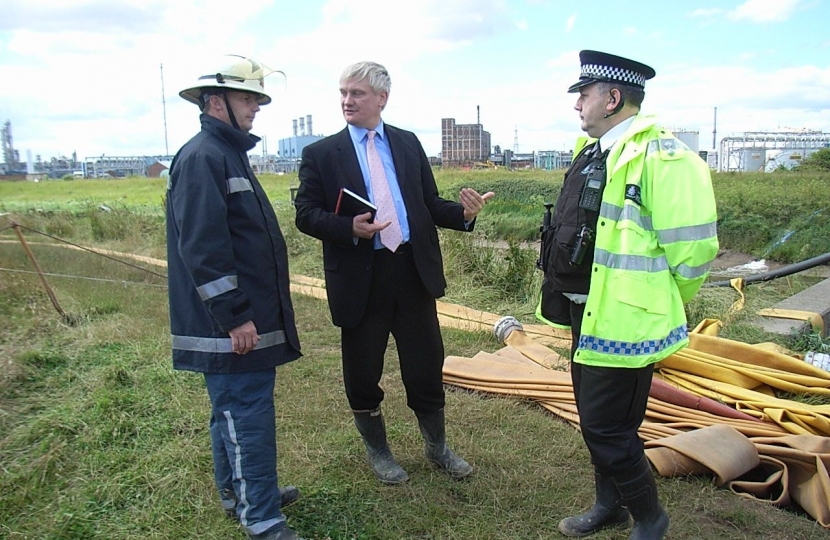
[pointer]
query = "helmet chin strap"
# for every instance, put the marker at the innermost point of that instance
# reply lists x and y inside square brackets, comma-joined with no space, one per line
[234,123]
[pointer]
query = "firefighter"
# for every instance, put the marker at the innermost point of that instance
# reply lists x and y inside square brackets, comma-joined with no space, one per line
[231,315]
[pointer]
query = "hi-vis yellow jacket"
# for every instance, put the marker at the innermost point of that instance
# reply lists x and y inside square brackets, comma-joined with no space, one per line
[655,242]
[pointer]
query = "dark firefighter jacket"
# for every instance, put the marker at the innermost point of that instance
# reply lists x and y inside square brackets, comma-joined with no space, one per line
[227,259]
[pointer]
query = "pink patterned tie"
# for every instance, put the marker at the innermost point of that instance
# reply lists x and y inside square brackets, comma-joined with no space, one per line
[391,236]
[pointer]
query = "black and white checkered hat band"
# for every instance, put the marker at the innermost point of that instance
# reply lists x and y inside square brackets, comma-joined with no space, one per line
[596,71]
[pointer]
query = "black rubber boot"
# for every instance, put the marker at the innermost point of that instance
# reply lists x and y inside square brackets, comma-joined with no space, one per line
[606,512]
[638,493]
[435,447]
[373,430]
[285,533]
[288,496]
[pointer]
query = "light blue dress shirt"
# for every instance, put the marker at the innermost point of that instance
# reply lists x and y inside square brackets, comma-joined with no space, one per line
[359,138]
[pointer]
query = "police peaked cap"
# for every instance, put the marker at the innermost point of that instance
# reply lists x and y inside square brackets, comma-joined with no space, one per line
[599,66]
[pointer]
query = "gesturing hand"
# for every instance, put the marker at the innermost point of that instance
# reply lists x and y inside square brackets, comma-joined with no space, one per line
[473,202]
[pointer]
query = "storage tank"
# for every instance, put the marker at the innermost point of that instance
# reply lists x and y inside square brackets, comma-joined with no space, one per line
[788,158]
[691,138]
[754,159]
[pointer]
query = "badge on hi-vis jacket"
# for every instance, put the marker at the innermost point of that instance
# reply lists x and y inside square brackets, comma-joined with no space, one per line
[632,193]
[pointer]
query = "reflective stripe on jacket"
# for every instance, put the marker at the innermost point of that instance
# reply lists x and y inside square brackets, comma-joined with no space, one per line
[655,242]
[227,258]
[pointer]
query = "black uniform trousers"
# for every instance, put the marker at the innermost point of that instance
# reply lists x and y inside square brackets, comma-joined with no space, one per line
[398,304]
[611,403]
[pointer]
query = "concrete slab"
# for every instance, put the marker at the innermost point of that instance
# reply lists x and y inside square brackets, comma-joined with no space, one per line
[815,299]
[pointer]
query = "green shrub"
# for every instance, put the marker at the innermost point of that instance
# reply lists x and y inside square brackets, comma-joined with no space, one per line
[817,161]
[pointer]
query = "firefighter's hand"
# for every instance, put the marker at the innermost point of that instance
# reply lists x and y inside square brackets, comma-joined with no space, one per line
[363,228]
[244,338]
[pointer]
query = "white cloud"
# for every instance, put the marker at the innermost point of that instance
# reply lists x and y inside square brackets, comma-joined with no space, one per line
[569,24]
[761,11]
[747,98]
[95,88]
[51,15]
[84,83]
[567,59]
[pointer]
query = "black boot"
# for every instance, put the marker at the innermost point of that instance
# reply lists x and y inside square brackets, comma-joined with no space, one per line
[372,429]
[435,447]
[285,533]
[606,512]
[288,496]
[638,493]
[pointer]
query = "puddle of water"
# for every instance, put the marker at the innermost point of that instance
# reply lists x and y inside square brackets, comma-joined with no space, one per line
[749,269]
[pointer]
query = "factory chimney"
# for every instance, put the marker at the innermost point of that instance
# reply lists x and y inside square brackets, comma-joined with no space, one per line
[715,130]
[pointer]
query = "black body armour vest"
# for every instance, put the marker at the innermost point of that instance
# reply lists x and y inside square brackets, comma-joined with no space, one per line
[562,273]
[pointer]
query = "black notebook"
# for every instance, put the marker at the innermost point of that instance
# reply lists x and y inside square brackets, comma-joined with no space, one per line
[350,203]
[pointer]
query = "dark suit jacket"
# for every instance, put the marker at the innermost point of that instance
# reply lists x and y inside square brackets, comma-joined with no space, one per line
[330,164]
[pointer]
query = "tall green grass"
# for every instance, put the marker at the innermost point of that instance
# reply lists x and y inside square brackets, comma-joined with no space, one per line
[783,216]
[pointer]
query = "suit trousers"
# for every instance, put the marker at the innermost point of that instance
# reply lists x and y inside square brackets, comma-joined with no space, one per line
[399,305]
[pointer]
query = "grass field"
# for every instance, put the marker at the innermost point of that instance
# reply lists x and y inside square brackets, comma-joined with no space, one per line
[783,216]
[101,439]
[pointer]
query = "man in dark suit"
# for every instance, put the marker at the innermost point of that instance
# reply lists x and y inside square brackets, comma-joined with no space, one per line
[384,272]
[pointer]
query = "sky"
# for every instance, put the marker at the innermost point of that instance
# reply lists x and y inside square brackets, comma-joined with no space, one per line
[101,77]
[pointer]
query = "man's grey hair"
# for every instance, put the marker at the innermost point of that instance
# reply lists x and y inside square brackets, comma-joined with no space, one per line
[375,73]
[632,95]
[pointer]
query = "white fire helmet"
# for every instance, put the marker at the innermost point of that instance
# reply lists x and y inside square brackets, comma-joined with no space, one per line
[237,73]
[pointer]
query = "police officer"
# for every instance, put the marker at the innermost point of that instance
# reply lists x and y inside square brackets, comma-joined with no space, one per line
[632,238]
[231,316]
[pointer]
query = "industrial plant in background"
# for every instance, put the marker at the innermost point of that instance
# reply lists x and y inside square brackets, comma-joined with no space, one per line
[11,157]
[290,150]
[757,151]
[285,160]
[34,168]
[468,146]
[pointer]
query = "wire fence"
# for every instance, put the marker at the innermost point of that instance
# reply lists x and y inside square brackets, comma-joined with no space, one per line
[70,276]
[88,250]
